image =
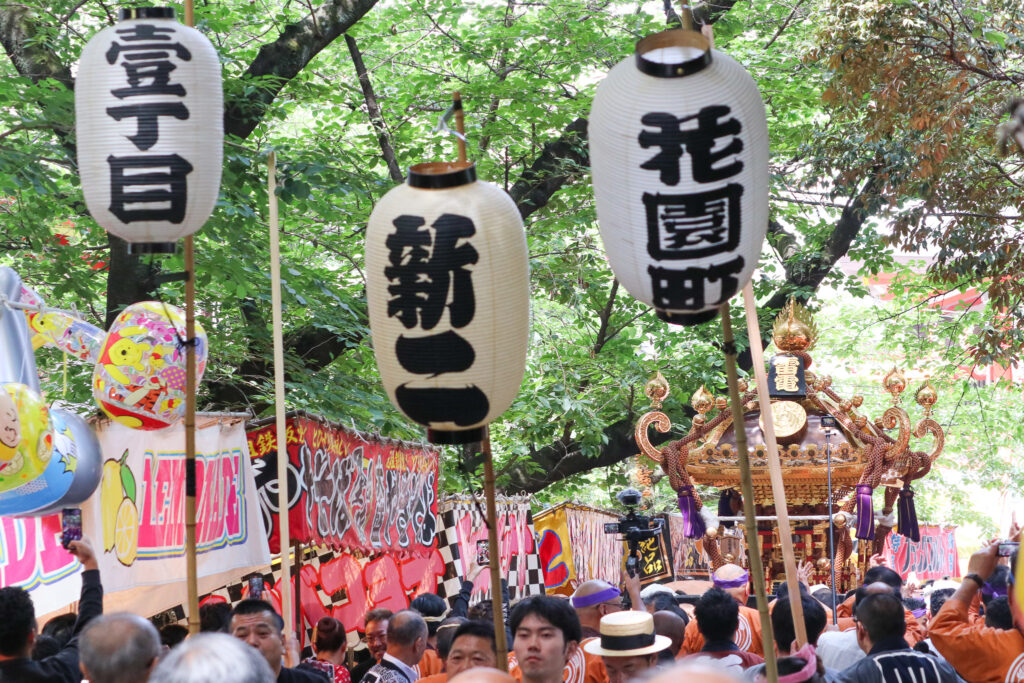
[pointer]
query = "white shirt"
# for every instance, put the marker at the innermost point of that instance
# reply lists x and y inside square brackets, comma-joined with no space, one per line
[839,649]
[409,672]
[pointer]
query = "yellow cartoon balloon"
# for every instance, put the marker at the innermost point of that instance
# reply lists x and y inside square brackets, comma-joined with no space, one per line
[139,380]
[28,459]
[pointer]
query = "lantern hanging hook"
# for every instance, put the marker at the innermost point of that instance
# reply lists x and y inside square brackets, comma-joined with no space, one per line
[442,123]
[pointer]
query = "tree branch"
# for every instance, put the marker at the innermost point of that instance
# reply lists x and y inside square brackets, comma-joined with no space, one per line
[280,61]
[562,160]
[373,109]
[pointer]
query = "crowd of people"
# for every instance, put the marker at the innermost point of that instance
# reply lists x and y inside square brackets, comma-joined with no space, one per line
[971,630]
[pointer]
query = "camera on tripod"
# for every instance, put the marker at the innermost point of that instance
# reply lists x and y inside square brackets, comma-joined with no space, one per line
[633,528]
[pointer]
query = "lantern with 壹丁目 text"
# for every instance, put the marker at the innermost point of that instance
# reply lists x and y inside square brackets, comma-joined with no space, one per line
[149,123]
[679,153]
[448,289]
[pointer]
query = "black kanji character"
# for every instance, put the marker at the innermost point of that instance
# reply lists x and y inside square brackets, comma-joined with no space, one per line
[431,405]
[147,130]
[151,50]
[167,200]
[426,269]
[684,289]
[149,78]
[699,142]
[684,226]
[435,354]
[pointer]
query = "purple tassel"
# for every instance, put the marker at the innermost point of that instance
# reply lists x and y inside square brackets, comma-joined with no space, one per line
[907,526]
[693,523]
[725,506]
[865,513]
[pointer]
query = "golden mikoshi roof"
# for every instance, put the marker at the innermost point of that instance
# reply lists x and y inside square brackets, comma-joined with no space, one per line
[805,447]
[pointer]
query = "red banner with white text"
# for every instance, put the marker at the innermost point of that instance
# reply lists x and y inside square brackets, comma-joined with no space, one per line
[934,557]
[347,491]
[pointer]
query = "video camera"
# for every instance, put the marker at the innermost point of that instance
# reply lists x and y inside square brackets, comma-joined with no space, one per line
[633,528]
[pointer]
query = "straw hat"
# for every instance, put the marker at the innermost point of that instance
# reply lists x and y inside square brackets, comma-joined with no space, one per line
[627,634]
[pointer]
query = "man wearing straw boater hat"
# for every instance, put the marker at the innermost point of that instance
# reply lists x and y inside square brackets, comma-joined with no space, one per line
[628,645]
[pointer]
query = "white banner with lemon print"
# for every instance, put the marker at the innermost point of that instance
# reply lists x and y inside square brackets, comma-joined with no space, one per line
[136,522]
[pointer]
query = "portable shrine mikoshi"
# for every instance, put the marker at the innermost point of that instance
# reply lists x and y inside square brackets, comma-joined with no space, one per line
[830,472]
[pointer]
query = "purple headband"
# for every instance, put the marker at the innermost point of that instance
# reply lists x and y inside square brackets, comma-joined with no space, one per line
[990,591]
[609,593]
[738,582]
[918,613]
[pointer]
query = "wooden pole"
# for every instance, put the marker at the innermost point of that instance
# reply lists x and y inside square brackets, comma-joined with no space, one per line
[299,630]
[284,536]
[747,486]
[500,641]
[460,125]
[775,468]
[191,573]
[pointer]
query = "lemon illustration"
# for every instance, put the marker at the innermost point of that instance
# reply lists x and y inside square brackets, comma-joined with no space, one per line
[111,495]
[126,533]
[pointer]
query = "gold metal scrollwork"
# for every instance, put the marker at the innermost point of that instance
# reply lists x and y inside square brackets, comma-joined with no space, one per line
[892,418]
[929,426]
[662,423]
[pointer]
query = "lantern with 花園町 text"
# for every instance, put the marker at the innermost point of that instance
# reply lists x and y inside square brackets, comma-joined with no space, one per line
[679,154]
[149,123]
[448,288]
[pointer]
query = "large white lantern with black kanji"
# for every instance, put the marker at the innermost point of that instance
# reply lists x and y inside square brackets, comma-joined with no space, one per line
[150,128]
[447,280]
[679,152]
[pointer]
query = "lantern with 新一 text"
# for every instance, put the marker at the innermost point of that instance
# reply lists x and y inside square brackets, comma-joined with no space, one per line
[448,291]
[679,154]
[149,123]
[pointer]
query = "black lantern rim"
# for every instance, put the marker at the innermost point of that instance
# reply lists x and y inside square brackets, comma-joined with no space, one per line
[455,438]
[686,319]
[673,38]
[440,175]
[146,13]
[152,247]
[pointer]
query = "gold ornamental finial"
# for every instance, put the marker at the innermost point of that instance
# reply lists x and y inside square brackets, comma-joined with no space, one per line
[702,400]
[895,383]
[657,390]
[794,328]
[926,397]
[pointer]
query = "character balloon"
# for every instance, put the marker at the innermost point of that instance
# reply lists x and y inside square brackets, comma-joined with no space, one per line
[139,380]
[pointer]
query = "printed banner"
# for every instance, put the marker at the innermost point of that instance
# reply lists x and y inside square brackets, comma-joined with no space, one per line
[689,560]
[348,492]
[136,519]
[934,557]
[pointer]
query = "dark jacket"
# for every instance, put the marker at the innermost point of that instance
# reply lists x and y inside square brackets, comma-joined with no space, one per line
[892,661]
[300,676]
[62,666]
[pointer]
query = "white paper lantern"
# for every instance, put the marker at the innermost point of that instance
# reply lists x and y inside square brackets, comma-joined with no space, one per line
[150,128]
[448,289]
[679,153]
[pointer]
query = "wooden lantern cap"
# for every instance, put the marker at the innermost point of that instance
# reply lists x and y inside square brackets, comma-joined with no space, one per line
[146,13]
[439,175]
[673,38]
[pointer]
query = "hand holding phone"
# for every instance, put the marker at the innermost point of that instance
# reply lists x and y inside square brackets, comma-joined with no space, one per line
[256,588]
[483,553]
[71,526]
[1007,548]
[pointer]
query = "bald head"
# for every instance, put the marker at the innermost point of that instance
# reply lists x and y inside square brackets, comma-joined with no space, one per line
[407,636]
[594,599]
[118,648]
[694,673]
[732,578]
[672,626]
[482,675]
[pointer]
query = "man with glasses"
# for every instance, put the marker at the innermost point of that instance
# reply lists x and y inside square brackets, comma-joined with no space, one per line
[376,630]
[594,599]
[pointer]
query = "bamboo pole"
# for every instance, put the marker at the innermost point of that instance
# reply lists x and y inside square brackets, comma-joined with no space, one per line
[500,641]
[191,561]
[284,537]
[747,486]
[775,468]
[460,125]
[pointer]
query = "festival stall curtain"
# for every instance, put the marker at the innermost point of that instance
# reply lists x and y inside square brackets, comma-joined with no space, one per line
[346,490]
[136,522]
[933,557]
